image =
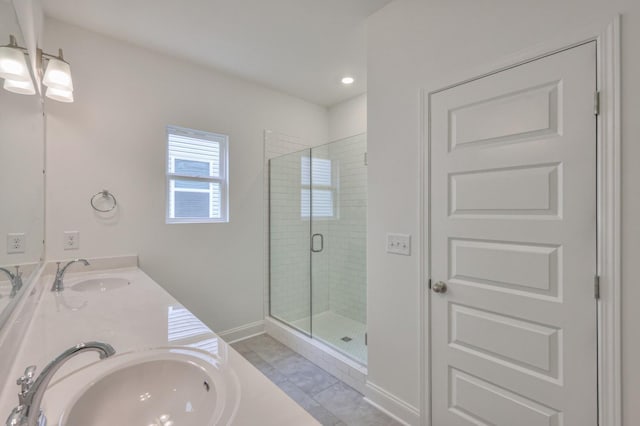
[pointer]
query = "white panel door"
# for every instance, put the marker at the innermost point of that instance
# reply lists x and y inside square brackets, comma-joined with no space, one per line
[513,238]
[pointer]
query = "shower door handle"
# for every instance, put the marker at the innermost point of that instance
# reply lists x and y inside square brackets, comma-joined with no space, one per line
[313,243]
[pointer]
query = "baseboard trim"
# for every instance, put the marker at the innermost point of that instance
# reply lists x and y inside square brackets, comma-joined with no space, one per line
[400,410]
[243,332]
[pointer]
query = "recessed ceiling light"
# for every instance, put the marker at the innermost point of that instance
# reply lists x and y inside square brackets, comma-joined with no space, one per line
[347,80]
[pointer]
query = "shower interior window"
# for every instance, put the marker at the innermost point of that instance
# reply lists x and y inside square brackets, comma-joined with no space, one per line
[319,188]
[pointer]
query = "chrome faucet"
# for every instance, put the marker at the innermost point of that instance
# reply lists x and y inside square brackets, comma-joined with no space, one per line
[16,280]
[28,412]
[58,284]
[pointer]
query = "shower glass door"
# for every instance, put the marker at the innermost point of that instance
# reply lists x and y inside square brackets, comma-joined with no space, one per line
[289,241]
[321,190]
[317,206]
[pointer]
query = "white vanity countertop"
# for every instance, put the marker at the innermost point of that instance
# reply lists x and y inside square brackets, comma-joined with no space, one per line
[133,318]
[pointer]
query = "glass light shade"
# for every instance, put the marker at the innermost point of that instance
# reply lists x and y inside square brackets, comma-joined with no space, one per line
[59,95]
[21,87]
[13,65]
[58,75]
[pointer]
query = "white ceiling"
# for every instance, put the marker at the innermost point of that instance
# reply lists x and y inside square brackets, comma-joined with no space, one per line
[301,47]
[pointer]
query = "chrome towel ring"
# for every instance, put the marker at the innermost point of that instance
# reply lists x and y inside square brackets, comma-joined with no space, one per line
[106,195]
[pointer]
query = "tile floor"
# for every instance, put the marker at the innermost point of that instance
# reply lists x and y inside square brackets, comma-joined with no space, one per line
[325,397]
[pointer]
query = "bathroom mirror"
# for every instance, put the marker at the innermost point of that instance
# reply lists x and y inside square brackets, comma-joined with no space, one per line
[21,180]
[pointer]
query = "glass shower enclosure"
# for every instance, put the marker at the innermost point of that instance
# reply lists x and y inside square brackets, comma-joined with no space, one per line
[317,243]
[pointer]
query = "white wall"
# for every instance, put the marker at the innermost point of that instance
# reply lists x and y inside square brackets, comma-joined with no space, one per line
[416,44]
[113,137]
[21,180]
[348,118]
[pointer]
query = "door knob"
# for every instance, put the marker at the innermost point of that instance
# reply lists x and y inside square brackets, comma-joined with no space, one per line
[439,287]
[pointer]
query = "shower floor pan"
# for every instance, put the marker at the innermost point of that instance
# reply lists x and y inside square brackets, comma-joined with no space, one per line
[331,329]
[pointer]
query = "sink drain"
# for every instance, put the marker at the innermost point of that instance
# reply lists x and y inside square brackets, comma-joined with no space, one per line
[346,339]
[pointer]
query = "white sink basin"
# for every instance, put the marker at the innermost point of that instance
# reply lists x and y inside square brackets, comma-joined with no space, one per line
[167,387]
[100,284]
[150,393]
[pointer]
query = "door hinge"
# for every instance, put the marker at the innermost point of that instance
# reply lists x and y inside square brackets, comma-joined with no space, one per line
[366,159]
[596,287]
[596,103]
[366,339]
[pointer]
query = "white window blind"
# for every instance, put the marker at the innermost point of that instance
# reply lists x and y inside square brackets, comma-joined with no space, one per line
[196,176]
[318,175]
[318,193]
[183,325]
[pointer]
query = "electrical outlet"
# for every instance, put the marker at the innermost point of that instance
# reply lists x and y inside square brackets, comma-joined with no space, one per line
[399,244]
[15,243]
[71,240]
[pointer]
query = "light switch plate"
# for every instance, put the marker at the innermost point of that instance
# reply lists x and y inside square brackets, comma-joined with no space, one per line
[399,244]
[71,240]
[16,243]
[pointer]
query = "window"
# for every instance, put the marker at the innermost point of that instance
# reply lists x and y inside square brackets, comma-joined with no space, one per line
[197,184]
[318,196]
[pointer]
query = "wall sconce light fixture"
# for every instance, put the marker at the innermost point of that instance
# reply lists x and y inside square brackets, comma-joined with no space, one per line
[17,78]
[14,70]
